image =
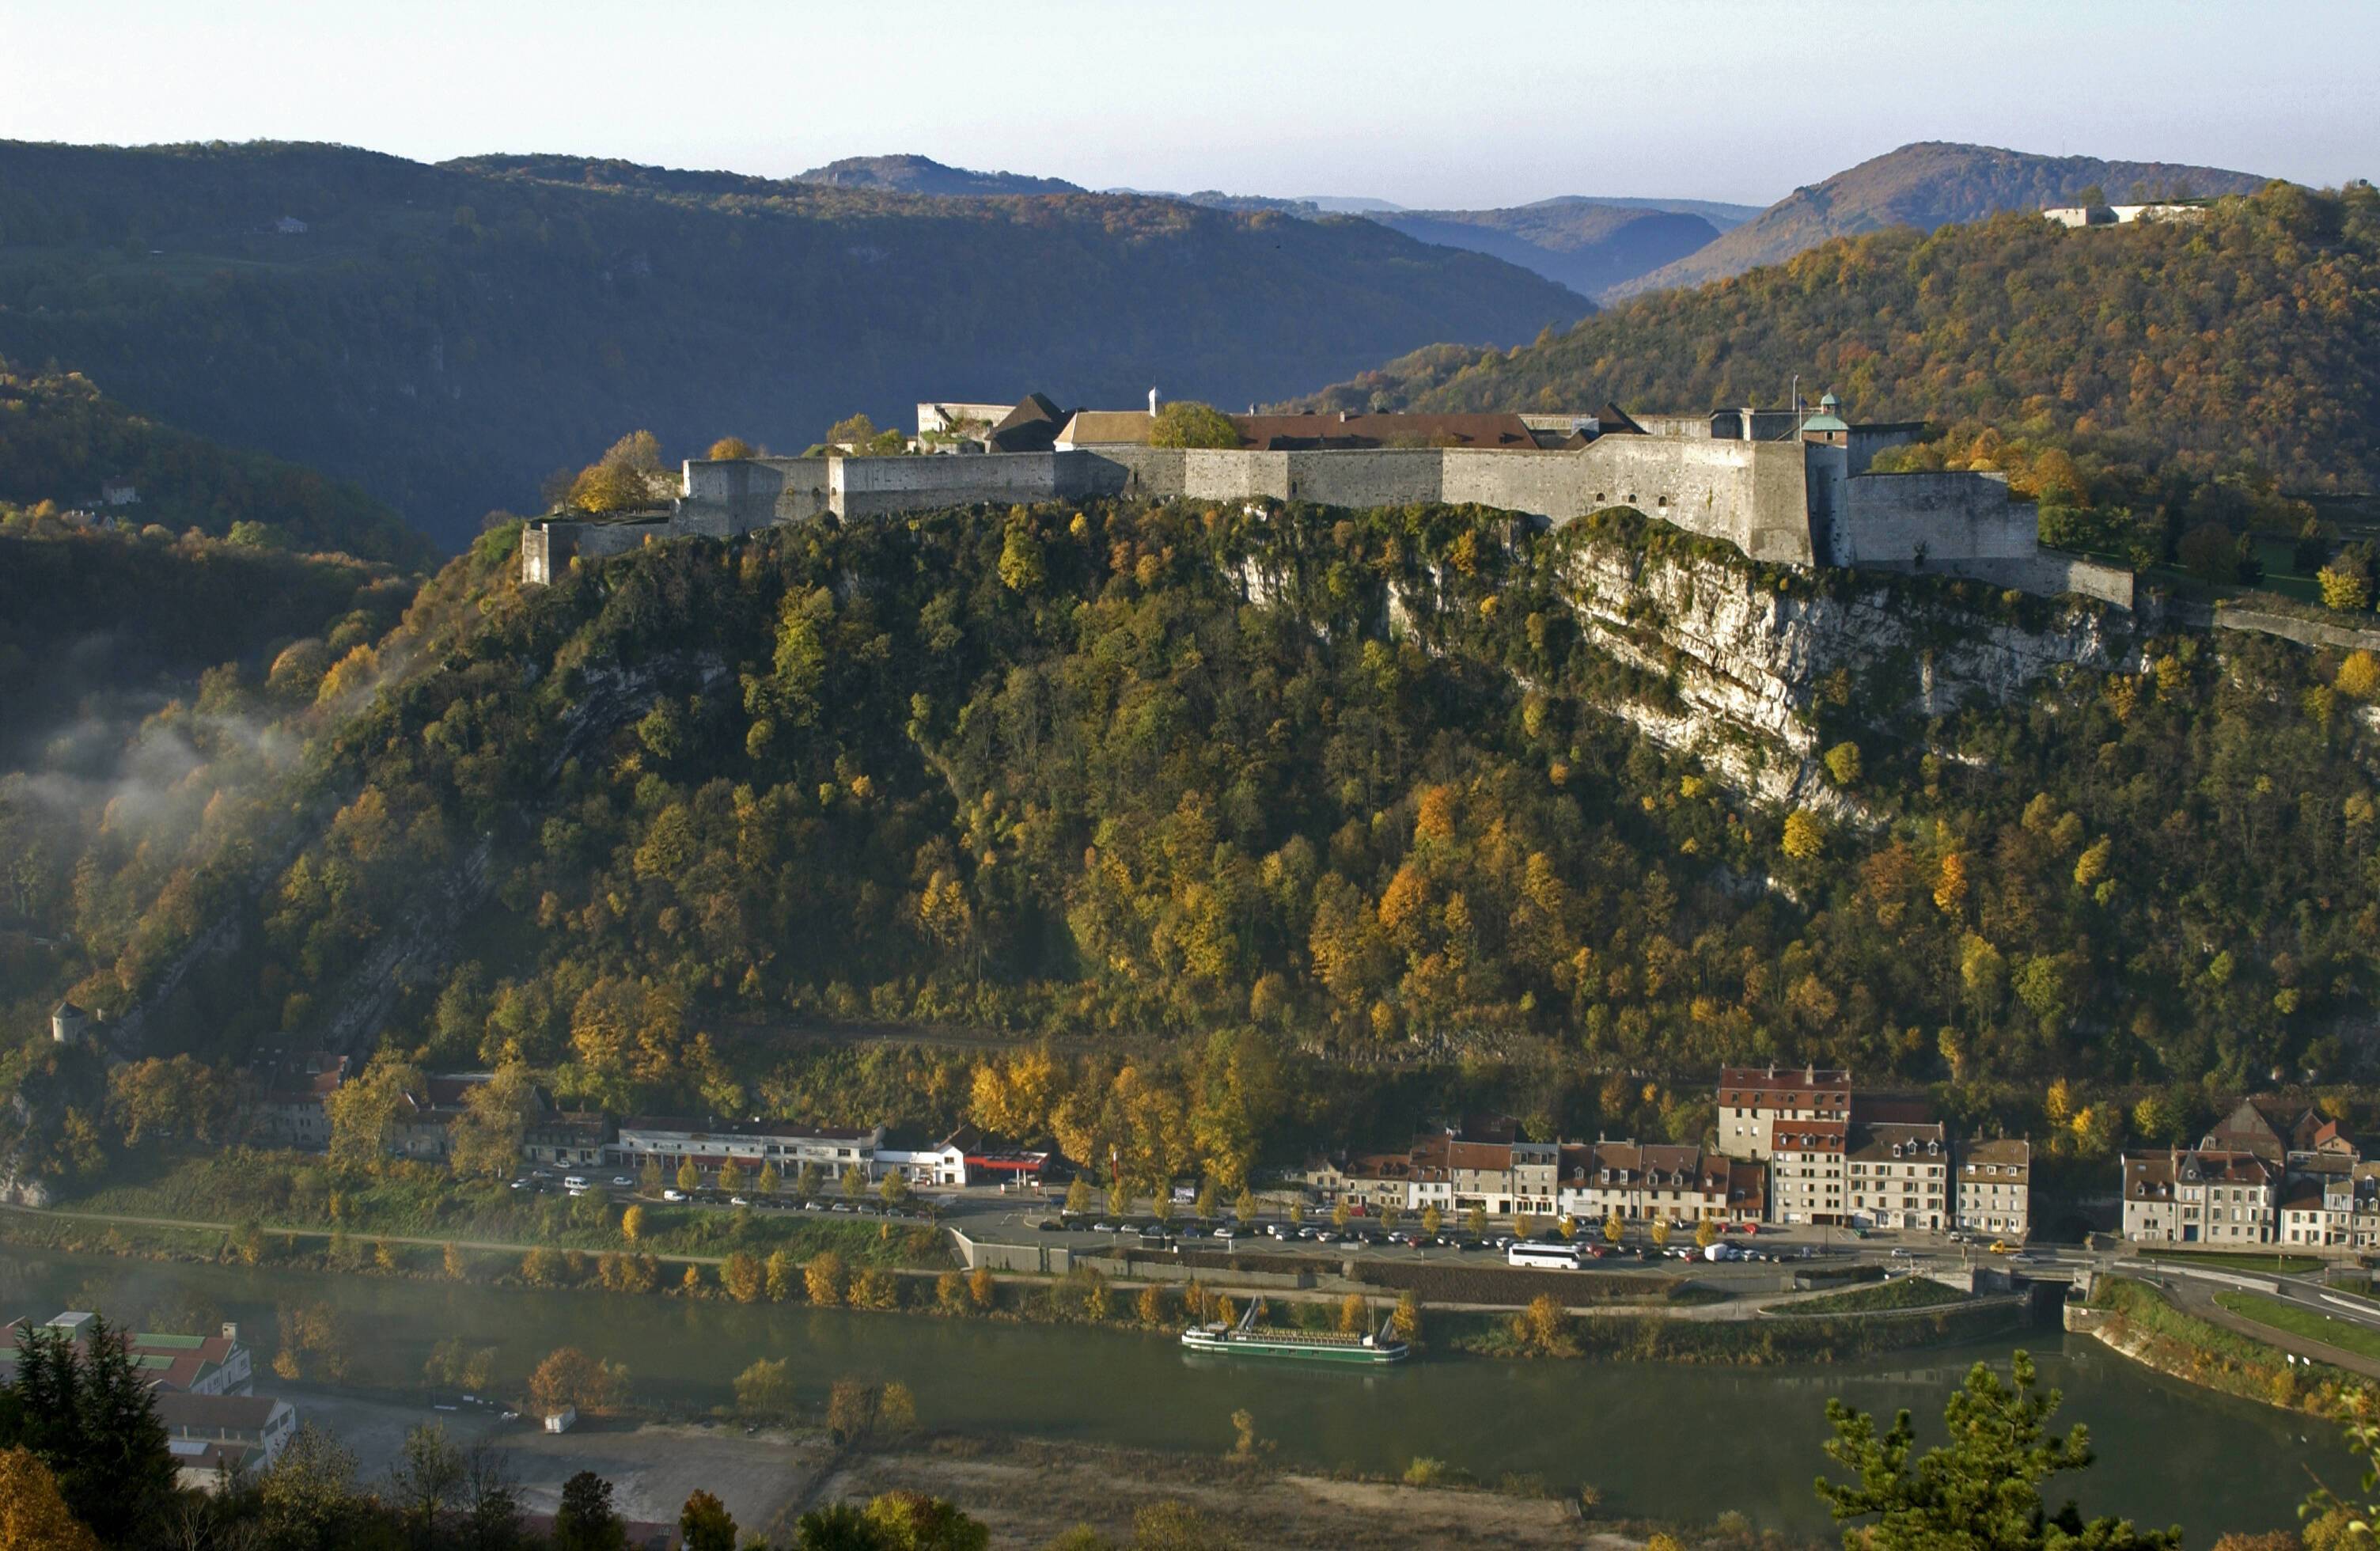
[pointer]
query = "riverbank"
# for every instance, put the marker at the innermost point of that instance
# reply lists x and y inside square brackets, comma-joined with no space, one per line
[2167,1450]
[2143,1324]
[829,1278]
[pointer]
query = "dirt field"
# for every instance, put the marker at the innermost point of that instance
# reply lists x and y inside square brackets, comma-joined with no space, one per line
[1028,1492]
[653,1468]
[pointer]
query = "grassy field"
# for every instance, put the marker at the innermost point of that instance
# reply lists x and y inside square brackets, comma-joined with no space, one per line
[2307,1324]
[414,1200]
[2238,1260]
[1906,1292]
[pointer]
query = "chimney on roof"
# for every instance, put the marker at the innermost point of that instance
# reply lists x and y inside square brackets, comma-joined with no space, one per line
[1342,417]
[1153,401]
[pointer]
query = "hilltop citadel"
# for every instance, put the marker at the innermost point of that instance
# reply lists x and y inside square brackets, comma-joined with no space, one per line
[1793,487]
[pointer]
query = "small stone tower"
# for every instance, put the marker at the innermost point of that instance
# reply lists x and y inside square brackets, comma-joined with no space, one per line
[67,1023]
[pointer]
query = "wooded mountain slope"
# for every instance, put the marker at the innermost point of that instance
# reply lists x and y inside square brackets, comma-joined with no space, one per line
[1056,772]
[2246,346]
[447,335]
[1930,184]
[61,439]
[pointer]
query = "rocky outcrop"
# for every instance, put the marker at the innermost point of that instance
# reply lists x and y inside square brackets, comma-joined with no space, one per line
[1746,658]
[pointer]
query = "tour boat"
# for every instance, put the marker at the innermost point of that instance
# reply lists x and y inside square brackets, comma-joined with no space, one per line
[1245,1340]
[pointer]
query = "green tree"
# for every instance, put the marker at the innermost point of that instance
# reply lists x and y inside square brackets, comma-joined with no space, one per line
[587,1520]
[1984,1487]
[1843,764]
[704,1524]
[1021,566]
[765,1388]
[1078,1196]
[1189,423]
[689,1178]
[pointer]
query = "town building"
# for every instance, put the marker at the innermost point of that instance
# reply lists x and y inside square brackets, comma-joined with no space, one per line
[2199,1195]
[1899,1176]
[567,1138]
[670,1140]
[2274,1169]
[1754,1099]
[216,1365]
[1806,1171]
[1654,1182]
[216,1438]
[1994,1192]
[293,1097]
[2077,217]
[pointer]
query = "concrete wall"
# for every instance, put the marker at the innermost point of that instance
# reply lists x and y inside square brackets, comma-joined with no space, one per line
[2046,574]
[1922,519]
[1697,426]
[1750,493]
[755,493]
[873,486]
[1388,477]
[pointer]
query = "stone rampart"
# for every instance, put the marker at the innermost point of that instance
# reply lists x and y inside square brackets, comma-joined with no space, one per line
[1921,519]
[1778,502]
[1750,493]
[876,487]
[755,493]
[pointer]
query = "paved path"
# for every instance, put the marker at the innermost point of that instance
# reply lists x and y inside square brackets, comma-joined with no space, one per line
[490,1245]
[2195,1296]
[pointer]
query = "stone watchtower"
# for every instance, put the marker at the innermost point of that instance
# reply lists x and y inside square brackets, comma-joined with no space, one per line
[67,1023]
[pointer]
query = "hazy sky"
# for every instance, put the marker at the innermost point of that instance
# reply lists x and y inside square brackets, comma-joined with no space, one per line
[1423,103]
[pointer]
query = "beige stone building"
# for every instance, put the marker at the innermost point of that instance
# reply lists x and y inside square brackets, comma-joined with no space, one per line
[1806,1171]
[1646,1182]
[1993,1193]
[2200,1196]
[1753,1100]
[1898,1176]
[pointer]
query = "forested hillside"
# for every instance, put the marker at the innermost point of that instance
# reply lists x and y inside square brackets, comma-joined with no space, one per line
[1931,184]
[61,439]
[1058,773]
[446,337]
[2139,378]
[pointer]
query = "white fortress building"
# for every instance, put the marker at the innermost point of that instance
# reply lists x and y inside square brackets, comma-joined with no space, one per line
[1792,487]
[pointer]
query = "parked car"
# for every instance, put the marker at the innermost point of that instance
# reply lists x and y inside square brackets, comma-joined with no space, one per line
[522,1184]
[623,1182]
[737,1201]
[673,1196]
[1052,1226]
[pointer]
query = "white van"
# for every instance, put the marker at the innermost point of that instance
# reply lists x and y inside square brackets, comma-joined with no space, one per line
[574,1182]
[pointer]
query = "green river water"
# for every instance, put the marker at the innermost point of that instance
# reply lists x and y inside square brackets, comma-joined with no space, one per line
[1676,1441]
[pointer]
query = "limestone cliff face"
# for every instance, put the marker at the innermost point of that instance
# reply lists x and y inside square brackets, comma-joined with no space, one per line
[1745,658]
[1746,661]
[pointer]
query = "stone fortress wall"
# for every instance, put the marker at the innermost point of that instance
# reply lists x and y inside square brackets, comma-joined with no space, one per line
[1777,500]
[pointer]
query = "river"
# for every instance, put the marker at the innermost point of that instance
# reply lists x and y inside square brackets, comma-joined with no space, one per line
[1674,1441]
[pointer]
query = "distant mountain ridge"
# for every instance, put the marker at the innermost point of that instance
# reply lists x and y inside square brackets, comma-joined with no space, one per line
[1926,185]
[1586,245]
[449,336]
[922,174]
